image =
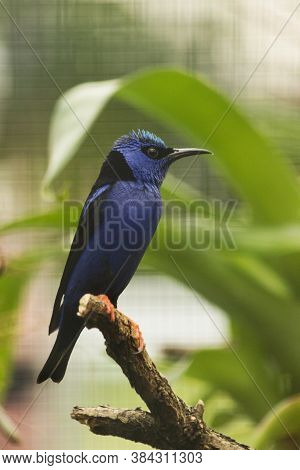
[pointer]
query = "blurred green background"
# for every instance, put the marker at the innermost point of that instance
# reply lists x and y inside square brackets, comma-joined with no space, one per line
[227,322]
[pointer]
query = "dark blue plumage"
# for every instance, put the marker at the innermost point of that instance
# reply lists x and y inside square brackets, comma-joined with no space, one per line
[117,224]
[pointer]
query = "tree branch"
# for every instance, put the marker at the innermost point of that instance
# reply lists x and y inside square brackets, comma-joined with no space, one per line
[171,423]
[134,425]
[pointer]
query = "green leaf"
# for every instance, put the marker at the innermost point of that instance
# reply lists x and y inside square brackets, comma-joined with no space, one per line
[192,105]
[44,220]
[280,428]
[224,369]
[268,240]
[249,301]
[259,272]
[73,116]
[177,98]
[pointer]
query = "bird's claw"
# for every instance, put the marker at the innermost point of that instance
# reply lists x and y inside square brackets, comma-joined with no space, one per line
[137,335]
[110,309]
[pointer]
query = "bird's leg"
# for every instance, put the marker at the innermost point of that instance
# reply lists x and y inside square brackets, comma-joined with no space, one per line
[137,335]
[110,309]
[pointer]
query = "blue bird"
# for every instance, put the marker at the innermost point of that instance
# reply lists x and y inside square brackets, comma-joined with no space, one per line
[116,225]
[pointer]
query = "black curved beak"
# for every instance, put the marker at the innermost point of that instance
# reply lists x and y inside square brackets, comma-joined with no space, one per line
[180,153]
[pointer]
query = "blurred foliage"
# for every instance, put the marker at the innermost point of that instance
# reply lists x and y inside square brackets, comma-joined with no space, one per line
[272,431]
[12,284]
[257,284]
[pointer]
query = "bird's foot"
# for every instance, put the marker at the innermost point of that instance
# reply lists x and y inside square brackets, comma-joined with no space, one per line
[110,309]
[137,335]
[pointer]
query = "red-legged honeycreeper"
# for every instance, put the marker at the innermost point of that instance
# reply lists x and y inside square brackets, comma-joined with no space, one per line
[116,225]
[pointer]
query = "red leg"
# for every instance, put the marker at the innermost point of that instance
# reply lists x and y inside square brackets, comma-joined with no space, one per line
[110,309]
[138,336]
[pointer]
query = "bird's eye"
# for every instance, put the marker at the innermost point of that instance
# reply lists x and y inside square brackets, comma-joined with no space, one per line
[152,152]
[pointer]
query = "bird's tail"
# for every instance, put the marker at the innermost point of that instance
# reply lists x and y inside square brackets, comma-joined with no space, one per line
[56,364]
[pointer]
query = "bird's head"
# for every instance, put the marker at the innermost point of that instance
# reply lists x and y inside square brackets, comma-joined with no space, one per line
[144,157]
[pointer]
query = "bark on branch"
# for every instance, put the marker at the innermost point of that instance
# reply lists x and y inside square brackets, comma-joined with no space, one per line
[170,422]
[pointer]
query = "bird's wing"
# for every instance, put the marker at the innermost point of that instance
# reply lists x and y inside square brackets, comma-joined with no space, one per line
[85,226]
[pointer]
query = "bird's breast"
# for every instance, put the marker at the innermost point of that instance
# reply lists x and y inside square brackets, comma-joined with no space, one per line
[131,214]
[117,239]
